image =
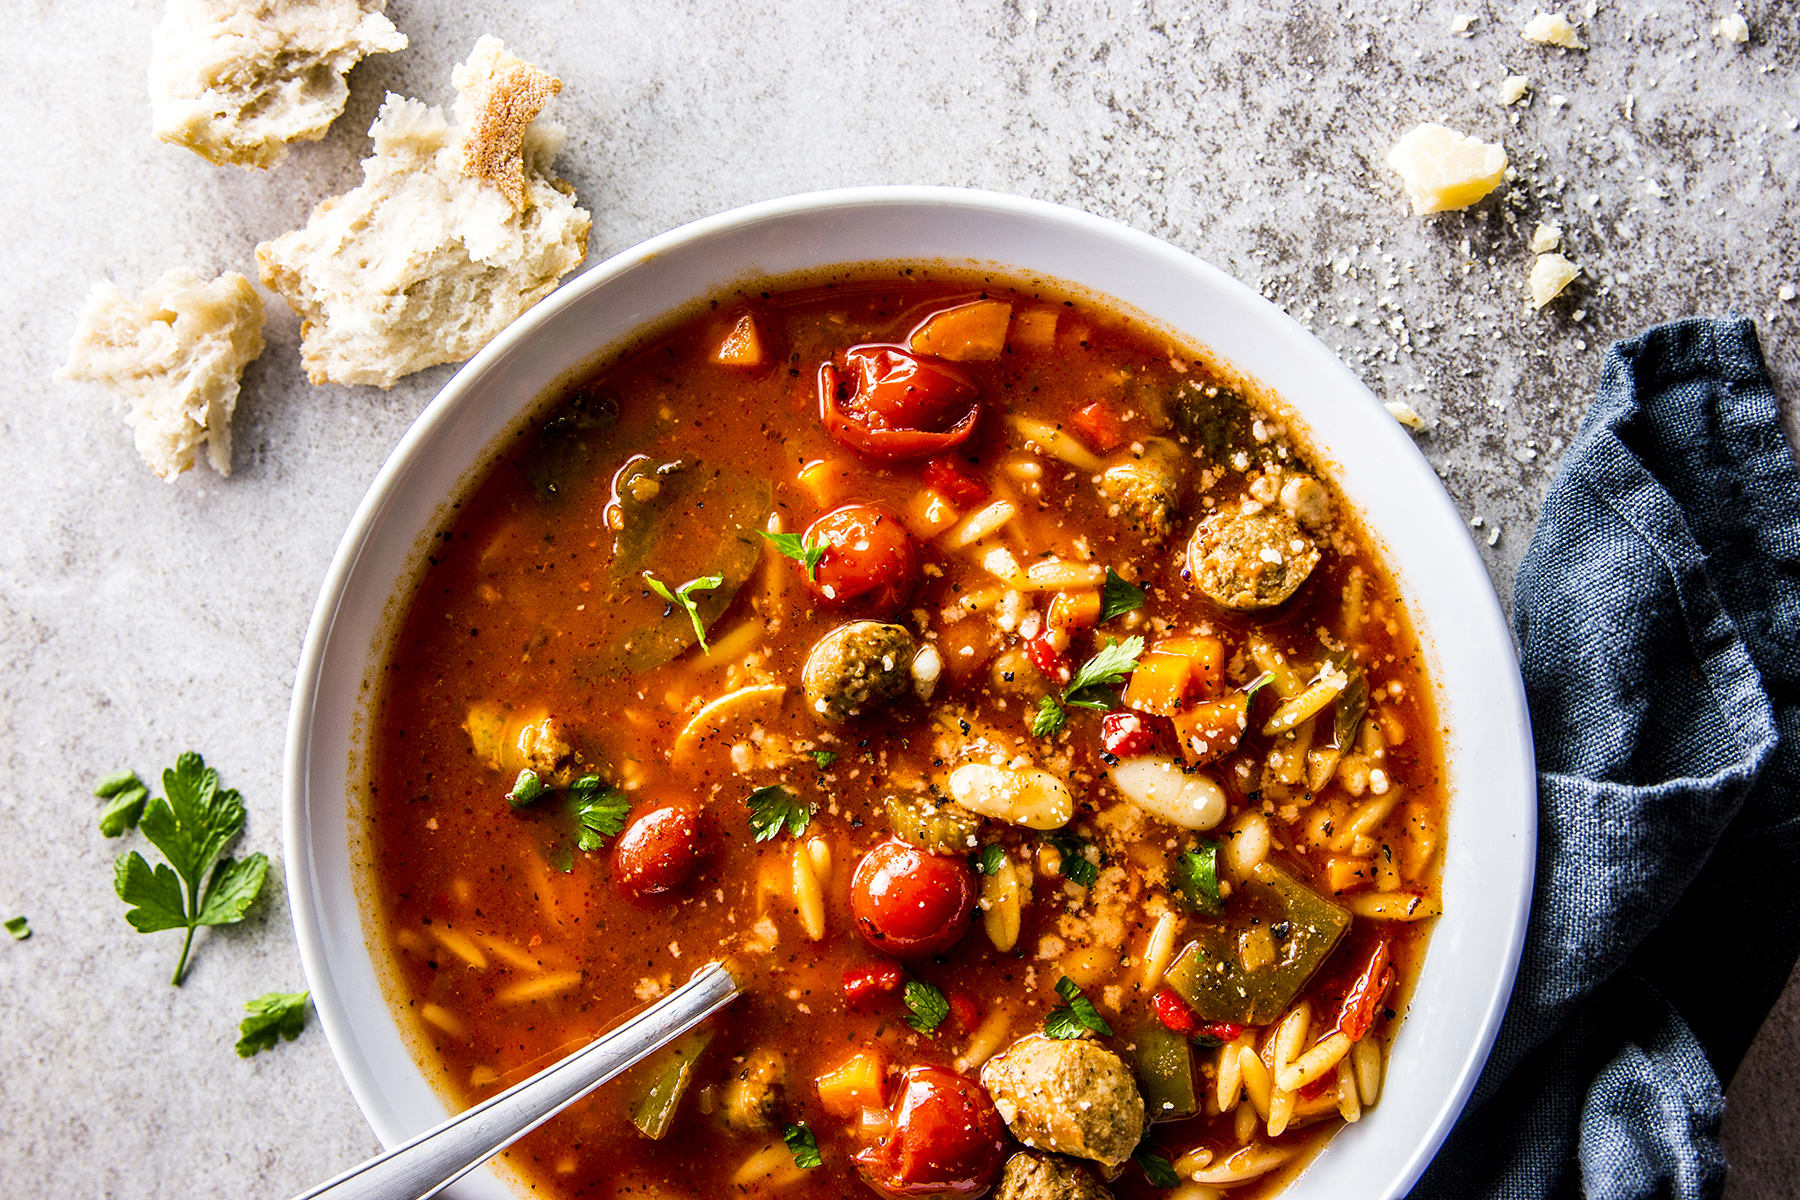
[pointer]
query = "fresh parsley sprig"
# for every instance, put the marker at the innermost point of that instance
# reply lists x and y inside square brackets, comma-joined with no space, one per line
[599,810]
[273,1016]
[1197,878]
[802,1145]
[1118,597]
[990,858]
[796,547]
[1075,1016]
[774,808]
[192,824]
[1093,685]
[1076,866]
[1156,1167]
[925,1004]
[683,597]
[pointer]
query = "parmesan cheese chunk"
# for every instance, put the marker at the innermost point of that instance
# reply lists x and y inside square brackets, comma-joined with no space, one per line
[1733,28]
[1513,89]
[1550,274]
[456,230]
[1552,29]
[1545,238]
[235,83]
[1406,414]
[175,354]
[1444,170]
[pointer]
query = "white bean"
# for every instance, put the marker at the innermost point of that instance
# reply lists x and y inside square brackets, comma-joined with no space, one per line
[1024,796]
[1155,784]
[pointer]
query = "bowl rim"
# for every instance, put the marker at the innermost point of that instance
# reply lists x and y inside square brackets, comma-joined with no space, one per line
[1485,614]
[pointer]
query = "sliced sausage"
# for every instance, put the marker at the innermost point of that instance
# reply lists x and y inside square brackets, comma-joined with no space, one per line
[1250,560]
[1068,1097]
[856,669]
[1146,489]
[1029,1175]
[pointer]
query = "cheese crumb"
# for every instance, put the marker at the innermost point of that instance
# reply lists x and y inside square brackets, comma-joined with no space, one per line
[1463,24]
[1786,292]
[1552,29]
[1550,274]
[1407,415]
[1444,170]
[1545,238]
[1733,28]
[1513,89]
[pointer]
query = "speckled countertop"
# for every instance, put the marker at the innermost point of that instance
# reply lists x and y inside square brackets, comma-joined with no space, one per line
[138,618]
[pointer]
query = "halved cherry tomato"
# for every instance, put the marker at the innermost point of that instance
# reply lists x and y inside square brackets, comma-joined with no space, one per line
[1363,1001]
[964,1012]
[1125,733]
[948,1140]
[952,479]
[1099,426]
[909,903]
[659,851]
[869,560]
[865,987]
[1051,662]
[898,404]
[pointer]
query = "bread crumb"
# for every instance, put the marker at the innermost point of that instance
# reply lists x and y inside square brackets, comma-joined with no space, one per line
[176,354]
[1444,170]
[1545,238]
[1407,415]
[1732,27]
[455,231]
[1513,89]
[1552,29]
[237,83]
[1550,274]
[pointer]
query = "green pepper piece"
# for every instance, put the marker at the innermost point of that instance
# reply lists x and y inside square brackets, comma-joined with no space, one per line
[1210,975]
[671,1072]
[1164,1066]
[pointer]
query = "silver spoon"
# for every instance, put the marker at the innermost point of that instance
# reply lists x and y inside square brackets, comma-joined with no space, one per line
[439,1157]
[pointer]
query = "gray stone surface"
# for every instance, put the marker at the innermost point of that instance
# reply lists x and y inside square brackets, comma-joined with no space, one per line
[138,618]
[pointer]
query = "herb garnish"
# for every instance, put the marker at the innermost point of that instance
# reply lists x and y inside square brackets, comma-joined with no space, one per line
[599,811]
[525,789]
[1157,1168]
[1076,866]
[990,859]
[824,758]
[128,794]
[1197,876]
[273,1016]
[926,1006]
[191,824]
[804,1146]
[19,927]
[774,808]
[683,597]
[1092,686]
[1075,1016]
[796,547]
[1117,597]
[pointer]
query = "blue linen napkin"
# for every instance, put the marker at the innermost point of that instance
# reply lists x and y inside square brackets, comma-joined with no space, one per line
[1658,616]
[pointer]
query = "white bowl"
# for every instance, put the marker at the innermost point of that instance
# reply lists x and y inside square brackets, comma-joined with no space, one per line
[1488,867]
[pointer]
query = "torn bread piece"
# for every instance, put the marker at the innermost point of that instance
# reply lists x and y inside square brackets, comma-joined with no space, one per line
[175,354]
[236,82]
[456,230]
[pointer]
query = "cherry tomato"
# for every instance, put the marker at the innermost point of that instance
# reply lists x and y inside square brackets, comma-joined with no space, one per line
[953,479]
[897,404]
[948,1140]
[964,1011]
[1363,1001]
[864,987]
[909,903]
[1124,734]
[1099,426]
[1051,661]
[869,560]
[659,851]
[1174,1012]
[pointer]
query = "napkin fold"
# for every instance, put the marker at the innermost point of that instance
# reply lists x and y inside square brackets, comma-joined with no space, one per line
[1658,617]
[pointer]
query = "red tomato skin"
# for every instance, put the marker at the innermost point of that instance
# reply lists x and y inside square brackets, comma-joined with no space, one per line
[659,851]
[1174,1012]
[948,1140]
[1099,426]
[1362,1003]
[964,1012]
[865,987]
[952,479]
[898,405]
[1052,664]
[1124,734]
[908,903]
[869,561]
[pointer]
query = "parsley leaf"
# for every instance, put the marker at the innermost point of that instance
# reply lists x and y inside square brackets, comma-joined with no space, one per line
[683,597]
[1075,1016]
[990,858]
[127,794]
[1197,875]
[599,811]
[19,927]
[926,1006]
[525,789]
[1157,1168]
[1092,685]
[803,1145]
[796,547]
[1118,597]
[273,1016]
[774,808]
[823,757]
[1076,867]
[192,824]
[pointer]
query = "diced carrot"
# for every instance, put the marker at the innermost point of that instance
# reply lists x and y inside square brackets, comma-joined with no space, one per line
[743,346]
[1210,730]
[1161,683]
[1074,610]
[823,479]
[973,332]
[1343,873]
[1207,656]
[1034,330]
[1099,426]
[859,1082]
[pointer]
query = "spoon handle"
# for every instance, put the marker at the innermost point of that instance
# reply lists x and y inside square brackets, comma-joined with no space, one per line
[439,1156]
